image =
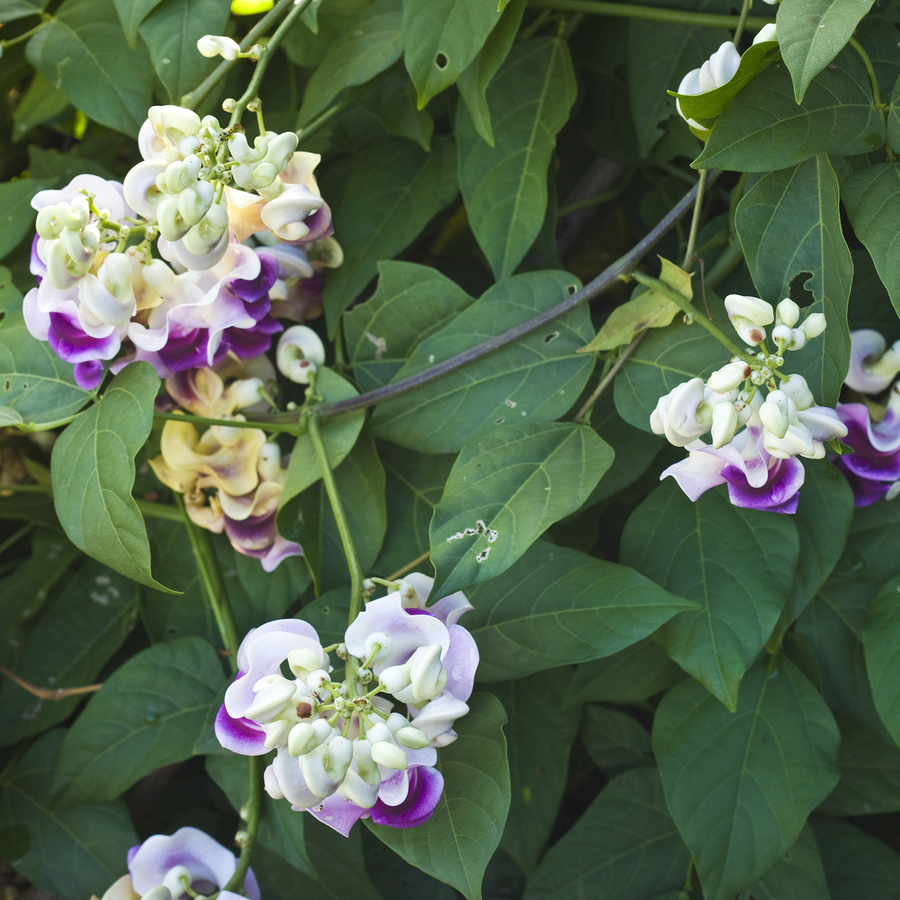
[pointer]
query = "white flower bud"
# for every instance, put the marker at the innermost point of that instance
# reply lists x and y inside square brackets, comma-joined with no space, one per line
[729,376]
[798,340]
[813,325]
[176,878]
[412,737]
[48,226]
[325,767]
[783,333]
[211,45]
[240,150]
[270,782]
[767,32]
[425,673]
[160,892]
[759,312]
[775,413]
[300,352]
[795,387]
[306,736]
[750,333]
[408,595]
[724,424]
[194,202]
[80,246]
[384,642]
[359,790]
[396,678]
[681,414]
[281,149]
[207,233]
[273,693]
[389,755]
[277,733]
[74,215]
[171,223]
[303,661]
[787,313]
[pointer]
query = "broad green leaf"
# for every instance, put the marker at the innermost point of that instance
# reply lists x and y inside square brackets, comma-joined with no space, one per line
[629,676]
[823,522]
[68,647]
[893,122]
[35,382]
[10,301]
[504,491]
[799,875]
[615,740]
[557,606]
[132,13]
[36,509]
[856,864]
[148,714]
[307,47]
[10,10]
[70,853]
[474,81]
[870,774]
[42,101]
[764,128]
[338,435]
[16,213]
[393,190]
[624,846]
[9,416]
[646,309]
[392,100]
[872,199]
[881,641]
[505,186]
[537,768]
[738,563]
[171,32]
[395,878]
[811,33]
[457,842]
[64,167]
[539,376]
[659,56]
[711,104]
[789,224]
[370,47]
[411,303]
[765,766]
[280,827]
[93,473]
[83,52]
[441,38]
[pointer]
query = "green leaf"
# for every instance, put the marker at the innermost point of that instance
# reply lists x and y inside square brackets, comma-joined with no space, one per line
[537,769]
[441,38]
[68,647]
[856,865]
[172,31]
[615,740]
[306,46]
[738,563]
[42,101]
[505,186]
[789,223]
[370,47]
[711,104]
[539,376]
[557,606]
[872,199]
[392,100]
[148,714]
[411,303]
[624,846]
[893,121]
[10,10]
[10,301]
[83,52]
[659,55]
[765,766]
[280,827]
[629,676]
[646,309]
[504,491]
[799,875]
[474,81]
[338,435]
[93,474]
[880,642]
[393,190]
[16,213]
[870,774]
[811,33]
[132,13]
[34,381]
[457,842]
[71,853]
[765,129]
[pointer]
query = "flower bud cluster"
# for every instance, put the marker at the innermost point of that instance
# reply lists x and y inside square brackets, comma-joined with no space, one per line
[783,424]
[342,752]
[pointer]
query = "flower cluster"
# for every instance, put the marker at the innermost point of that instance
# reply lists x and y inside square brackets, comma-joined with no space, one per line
[755,440]
[873,430]
[202,192]
[342,754]
[183,865]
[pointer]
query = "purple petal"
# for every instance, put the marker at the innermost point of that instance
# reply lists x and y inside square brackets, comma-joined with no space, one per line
[319,225]
[425,788]
[778,494]
[338,813]
[460,663]
[240,735]
[88,375]
[70,342]
[254,289]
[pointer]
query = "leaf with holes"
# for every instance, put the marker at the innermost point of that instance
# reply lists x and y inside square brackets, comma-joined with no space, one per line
[505,186]
[538,376]
[504,491]
[765,766]
[738,563]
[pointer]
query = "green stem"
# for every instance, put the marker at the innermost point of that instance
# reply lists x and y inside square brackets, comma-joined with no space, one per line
[652,13]
[208,569]
[227,423]
[356,572]
[745,8]
[695,221]
[254,813]
[24,37]
[200,93]
[252,92]
[876,94]
[159,510]
[597,199]
[687,307]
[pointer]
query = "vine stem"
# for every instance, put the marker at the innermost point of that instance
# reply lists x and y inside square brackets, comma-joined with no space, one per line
[228,423]
[609,376]
[254,811]
[858,47]
[208,569]
[695,220]
[252,91]
[689,309]
[745,9]
[49,693]
[652,13]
